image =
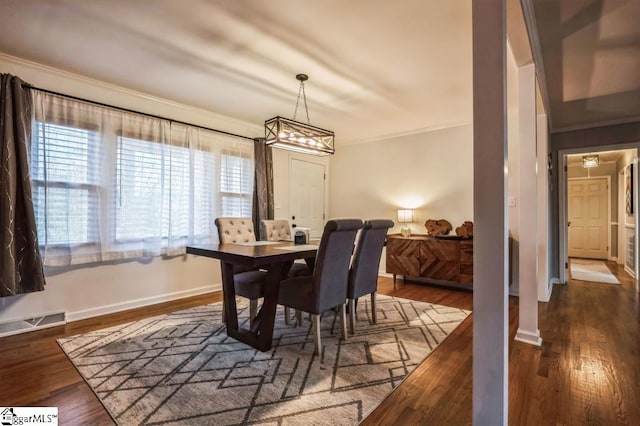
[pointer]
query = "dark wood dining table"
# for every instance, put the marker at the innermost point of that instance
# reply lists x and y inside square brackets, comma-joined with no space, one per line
[276,260]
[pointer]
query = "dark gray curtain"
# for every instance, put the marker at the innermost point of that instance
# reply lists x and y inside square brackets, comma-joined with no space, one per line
[263,184]
[20,262]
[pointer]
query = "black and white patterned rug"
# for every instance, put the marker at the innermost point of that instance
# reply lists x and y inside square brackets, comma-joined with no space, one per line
[181,368]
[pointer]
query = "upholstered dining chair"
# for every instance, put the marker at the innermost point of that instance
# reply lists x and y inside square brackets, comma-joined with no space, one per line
[363,275]
[275,230]
[280,230]
[248,282]
[327,287]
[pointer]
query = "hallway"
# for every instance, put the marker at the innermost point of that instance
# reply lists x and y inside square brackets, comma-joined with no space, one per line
[588,370]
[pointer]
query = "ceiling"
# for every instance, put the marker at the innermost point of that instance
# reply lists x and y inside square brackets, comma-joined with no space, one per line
[590,51]
[605,156]
[375,69]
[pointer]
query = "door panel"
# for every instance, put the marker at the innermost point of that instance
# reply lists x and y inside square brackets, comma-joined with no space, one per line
[307,196]
[588,218]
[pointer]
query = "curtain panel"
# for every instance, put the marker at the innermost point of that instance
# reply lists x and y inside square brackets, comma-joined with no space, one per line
[110,184]
[21,269]
[263,204]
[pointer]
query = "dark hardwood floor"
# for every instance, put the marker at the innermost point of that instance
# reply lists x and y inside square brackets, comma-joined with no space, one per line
[586,372]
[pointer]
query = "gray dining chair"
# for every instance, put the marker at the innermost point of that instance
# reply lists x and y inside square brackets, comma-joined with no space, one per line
[327,287]
[248,282]
[363,275]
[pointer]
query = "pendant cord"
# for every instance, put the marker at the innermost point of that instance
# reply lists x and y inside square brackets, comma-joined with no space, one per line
[304,96]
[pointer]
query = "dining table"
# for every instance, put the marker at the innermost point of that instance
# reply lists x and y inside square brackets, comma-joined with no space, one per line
[276,258]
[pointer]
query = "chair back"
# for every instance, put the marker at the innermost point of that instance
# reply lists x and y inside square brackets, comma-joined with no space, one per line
[331,272]
[275,230]
[235,230]
[363,275]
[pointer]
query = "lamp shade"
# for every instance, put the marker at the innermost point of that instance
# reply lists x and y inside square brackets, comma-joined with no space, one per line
[405,216]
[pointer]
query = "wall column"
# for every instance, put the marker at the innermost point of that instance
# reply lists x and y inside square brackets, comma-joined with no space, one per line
[544,230]
[528,278]
[490,284]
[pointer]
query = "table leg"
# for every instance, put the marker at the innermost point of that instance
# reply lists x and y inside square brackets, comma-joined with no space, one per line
[260,335]
[229,295]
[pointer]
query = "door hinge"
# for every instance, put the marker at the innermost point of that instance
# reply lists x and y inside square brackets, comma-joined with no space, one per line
[324,176]
[565,168]
[566,265]
[322,216]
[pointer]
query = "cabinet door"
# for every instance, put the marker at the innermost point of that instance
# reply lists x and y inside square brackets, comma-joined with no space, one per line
[402,257]
[440,260]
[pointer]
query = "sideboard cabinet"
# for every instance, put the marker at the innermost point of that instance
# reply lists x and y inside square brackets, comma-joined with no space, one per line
[442,260]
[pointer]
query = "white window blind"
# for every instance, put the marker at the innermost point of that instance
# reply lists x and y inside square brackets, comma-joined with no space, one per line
[64,171]
[113,185]
[236,185]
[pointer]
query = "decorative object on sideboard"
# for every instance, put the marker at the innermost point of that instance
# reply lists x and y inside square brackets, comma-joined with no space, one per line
[465,230]
[438,227]
[405,216]
[293,135]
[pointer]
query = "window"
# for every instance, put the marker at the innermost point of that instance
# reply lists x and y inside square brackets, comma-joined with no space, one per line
[65,188]
[236,185]
[130,185]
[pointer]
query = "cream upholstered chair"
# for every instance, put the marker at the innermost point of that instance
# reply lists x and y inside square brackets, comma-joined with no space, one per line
[235,230]
[280,230]
[248,282]
[275,230]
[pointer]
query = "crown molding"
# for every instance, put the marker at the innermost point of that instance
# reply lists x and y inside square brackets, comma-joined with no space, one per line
[200,116]
[626,120]
[406,133]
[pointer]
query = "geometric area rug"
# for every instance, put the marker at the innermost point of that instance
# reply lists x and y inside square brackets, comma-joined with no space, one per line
[591,270]
[181,368]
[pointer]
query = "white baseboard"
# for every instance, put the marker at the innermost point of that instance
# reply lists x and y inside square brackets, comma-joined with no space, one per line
[384,274]
[532,338]
[138,303]
[629,271]
[547,296]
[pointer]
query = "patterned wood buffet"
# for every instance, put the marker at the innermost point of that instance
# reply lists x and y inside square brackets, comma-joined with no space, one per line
[441,260]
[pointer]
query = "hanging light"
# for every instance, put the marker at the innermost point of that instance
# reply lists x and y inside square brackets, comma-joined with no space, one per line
[590,160]
[293,135]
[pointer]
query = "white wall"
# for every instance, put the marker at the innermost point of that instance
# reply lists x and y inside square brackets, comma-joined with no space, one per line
[430,172]
[513,178]
[94,290]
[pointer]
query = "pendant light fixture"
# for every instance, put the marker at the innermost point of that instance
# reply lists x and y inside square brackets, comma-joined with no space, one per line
[296,136]
[591,160]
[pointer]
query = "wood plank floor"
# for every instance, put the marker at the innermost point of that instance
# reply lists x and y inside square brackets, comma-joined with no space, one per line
[586,372]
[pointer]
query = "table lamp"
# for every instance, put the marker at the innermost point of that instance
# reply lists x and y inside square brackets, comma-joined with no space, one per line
[406,217]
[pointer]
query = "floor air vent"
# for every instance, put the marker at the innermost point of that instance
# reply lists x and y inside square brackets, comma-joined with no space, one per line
[31,324]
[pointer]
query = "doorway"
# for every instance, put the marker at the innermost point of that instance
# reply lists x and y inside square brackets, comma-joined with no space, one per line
[593,190]
[588,212]
[307,191]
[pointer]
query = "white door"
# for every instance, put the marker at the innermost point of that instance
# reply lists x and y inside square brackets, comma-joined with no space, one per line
[307,196]
[588,218]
